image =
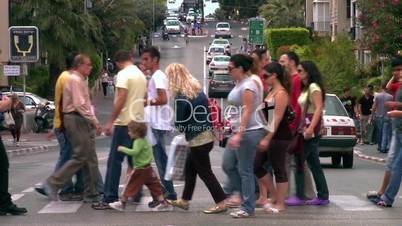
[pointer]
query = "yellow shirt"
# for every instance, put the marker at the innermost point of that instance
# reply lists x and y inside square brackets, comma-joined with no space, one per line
[133,80]
[303,97]
[58,97]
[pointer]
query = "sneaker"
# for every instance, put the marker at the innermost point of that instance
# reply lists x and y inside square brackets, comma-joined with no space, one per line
[100,206]
[117,206]
[48,191]
[163,207]
[68,197]
[180,203]
[294,201]
[372,195]
[240,214]
[13,210]
[154,203]
[317,202]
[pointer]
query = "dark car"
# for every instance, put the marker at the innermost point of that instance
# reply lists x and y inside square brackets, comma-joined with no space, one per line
[220,85]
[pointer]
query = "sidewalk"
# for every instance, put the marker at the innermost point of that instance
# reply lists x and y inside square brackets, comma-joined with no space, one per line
[29,143]
[369,152]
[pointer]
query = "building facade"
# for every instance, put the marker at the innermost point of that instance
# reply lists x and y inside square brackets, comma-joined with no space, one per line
[4,40]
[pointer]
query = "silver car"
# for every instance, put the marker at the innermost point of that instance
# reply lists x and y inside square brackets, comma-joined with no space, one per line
[219,62]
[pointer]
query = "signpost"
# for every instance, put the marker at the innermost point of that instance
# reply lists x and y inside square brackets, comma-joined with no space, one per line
[12,70]
[256,31]
[24,47]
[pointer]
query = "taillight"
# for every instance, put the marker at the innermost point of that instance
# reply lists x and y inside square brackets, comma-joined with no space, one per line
[343,130]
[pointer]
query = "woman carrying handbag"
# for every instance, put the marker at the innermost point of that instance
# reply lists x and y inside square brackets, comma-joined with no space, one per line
[311,101]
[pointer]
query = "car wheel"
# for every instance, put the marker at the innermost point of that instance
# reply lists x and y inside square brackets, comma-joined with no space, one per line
[336,160]
[348,160]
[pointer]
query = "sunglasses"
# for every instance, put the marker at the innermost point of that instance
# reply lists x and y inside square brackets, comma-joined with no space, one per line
[267,75]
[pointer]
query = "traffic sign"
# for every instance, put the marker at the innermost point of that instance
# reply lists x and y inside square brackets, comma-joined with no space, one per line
[24,44]
[12,70]
[256,31]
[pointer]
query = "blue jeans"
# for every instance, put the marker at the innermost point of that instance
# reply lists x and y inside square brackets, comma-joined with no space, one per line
[160,158]
[384,131]
[240,169]
[396,174]
[113,171]
[65,155]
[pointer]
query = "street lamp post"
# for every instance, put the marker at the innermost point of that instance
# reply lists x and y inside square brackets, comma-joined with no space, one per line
[153,22]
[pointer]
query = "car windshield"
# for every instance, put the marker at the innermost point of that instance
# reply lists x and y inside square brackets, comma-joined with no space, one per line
[222,59]
[172,23]
[217,50]
[333,107]
[220,42]
[222,77]
[222,26]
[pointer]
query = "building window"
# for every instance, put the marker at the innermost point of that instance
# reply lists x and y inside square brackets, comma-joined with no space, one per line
[321,16]
[348,8]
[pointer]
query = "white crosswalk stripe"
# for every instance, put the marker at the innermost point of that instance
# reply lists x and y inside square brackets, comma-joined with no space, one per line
[61,207]
[15,197]
[353,203]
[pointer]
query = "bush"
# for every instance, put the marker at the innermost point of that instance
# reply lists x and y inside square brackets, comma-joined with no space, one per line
[275,38]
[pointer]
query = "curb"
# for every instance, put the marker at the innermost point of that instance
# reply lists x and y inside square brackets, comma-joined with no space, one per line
[32,150]
[358,153]
[37,149]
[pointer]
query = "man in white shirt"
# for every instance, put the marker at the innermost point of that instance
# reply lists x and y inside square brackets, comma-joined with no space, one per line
[159,114]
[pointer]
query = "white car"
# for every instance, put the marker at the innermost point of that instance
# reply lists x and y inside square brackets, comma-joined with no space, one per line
[223,30]
[339,133]
[218,63]
[173,26]
[222,42]
[214,51]
[191,16]
[172,1]
[31,100]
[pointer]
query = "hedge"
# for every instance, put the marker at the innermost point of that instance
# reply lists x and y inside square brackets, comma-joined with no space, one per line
[277,37]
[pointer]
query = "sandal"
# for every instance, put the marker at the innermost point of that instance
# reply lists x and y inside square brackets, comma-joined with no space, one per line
[382,203]
[273,210]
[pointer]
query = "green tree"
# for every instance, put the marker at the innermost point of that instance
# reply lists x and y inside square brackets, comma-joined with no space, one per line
[283,13]
[241,9]
[382,24]
[145,11]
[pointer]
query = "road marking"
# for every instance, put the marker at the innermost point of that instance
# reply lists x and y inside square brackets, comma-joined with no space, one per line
[15,197]
[61,207]
[244,28]
[353,203]
[212,36]
[30,189]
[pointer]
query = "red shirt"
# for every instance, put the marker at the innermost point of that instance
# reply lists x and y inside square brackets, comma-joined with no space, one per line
[296,91]
[394,88]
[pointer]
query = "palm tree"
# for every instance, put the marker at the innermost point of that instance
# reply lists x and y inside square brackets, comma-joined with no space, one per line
[283,13]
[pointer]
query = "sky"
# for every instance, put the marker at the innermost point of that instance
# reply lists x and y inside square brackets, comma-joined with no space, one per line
[209,9]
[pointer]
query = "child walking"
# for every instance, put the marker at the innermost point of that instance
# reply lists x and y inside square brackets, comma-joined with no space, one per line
[143,174]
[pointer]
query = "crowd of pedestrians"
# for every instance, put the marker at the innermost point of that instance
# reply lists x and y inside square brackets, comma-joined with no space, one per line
[275,112]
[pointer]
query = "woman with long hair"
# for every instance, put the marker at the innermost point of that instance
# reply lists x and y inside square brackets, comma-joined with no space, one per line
[311,102]
[192,118]
[239,156]
[272,147]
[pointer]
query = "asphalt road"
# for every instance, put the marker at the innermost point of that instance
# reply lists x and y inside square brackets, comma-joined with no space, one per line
[347,186]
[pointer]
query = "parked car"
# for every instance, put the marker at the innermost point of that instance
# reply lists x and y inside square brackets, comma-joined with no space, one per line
[339,135]
[219,62]
[209,18]
[214,51]
[220,85]
[223,30]
[31,101]
[173,26]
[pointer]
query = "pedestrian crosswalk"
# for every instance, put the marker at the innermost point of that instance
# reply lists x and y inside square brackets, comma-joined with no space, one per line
[347,203]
